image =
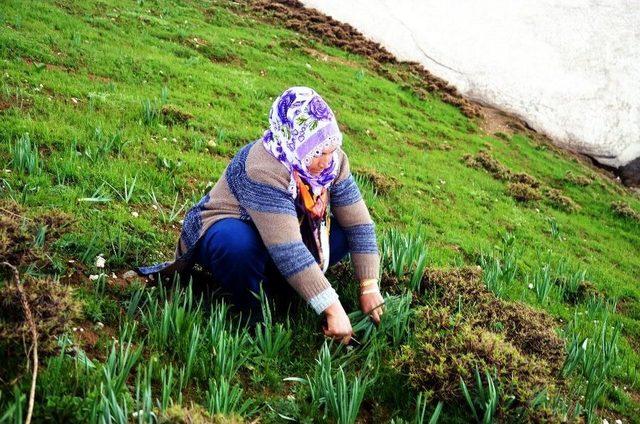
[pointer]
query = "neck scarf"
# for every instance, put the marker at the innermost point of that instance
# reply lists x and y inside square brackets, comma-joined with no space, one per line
[301,126]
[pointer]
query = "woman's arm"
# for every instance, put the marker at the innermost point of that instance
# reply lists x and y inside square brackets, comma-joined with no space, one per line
[353,216]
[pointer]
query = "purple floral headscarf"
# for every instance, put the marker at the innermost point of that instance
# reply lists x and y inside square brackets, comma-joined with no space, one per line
[301,126]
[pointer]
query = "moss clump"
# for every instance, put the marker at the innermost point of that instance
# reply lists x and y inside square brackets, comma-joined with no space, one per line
[581,180]
[383,184]
[524,178]
[487,333]
[171,115]
[17,233]
[448,347]
[195,415]
[529,329]
[558,199]
[523,192]
[53,309]
[624,210]
[483,160]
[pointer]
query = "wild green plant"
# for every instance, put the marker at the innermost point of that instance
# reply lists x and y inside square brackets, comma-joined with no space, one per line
[150,112]
[127,192]
[270,340]
[572,284]
[169,216]
[167,383]
[394,323]
[229,353]
[119,364]
[484,401]
[421,410]
[144,395]
[542,283]
[14,412]
[40,236]
[592,358]
[501,266]
[404,255]
[223,398]
[110,406]
[133,305]
[341,398]
[554,228]
[98,196]
[26,159]
[170,317]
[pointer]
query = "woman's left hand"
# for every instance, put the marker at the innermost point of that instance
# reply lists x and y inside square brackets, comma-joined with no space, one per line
[372,304]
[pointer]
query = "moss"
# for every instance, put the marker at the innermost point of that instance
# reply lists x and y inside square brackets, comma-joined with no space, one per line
[171,115]
[194,415]
[483,160]
[624,210]
[524,178]
[559,200]
[53,308]
[581,180]
[383,184]
[523,192]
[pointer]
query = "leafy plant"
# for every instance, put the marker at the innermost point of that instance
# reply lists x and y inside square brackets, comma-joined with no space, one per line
[402,255]
[270,340]
[26,159]
[223,398]
[340,397]
[484,401]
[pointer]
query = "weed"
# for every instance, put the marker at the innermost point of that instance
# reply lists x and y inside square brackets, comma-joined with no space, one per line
[26,158]
[485,400]
[223,398]
[270,340]
[403,255]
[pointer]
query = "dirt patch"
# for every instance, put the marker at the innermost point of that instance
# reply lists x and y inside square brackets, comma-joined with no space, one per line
[18,232]
[483,160]
[293,15]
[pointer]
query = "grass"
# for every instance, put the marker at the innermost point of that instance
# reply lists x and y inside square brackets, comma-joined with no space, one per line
[122,116]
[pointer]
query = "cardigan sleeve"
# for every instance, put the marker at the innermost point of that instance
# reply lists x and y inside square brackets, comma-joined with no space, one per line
[352,214]
[264,196]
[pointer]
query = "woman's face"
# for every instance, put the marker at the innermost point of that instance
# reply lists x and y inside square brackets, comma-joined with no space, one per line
[321,162]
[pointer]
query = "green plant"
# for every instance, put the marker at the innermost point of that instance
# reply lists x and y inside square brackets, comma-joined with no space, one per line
[223,398]
[484,401]
[127,192]
[421,410]
[340,397]
[541,283]
[26,158]
[270,340]
[402,255]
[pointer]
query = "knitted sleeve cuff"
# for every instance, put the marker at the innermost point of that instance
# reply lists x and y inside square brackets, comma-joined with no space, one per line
[323,300]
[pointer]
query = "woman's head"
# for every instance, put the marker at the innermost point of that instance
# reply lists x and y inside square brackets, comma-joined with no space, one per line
[303,135]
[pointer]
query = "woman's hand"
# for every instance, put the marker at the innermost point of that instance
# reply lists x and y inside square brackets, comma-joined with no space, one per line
[372,303]
[338,324]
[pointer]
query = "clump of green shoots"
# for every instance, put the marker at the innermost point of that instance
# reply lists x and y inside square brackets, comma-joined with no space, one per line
[484,401]
[270,340]
[404,256]
[501,267]
[26,159]
[340,397]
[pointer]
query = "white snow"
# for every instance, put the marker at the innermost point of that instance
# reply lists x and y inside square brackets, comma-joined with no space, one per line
[570,68]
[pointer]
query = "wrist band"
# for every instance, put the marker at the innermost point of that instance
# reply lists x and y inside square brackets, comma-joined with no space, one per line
[368,282]
[369,291]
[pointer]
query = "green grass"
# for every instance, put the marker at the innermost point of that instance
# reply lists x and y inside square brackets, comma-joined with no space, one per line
[82,129]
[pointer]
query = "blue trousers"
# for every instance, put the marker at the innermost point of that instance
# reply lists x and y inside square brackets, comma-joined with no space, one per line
[235,255]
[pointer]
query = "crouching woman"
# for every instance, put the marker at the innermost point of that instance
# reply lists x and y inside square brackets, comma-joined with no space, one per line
[284,210]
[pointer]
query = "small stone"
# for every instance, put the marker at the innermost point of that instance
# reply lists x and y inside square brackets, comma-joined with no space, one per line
[100,261]
[129,274]
[134,214]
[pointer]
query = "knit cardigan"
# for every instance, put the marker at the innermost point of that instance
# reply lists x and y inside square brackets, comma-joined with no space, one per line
[253,188]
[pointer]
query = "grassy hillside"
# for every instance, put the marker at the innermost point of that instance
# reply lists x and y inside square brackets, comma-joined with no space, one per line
[116,117]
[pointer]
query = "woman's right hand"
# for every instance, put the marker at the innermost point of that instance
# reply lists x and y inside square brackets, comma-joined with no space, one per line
[338,324]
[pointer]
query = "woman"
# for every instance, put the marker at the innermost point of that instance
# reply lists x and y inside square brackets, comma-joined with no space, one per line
[268,219]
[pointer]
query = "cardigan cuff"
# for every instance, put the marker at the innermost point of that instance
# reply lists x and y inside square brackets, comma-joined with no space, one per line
[323,300]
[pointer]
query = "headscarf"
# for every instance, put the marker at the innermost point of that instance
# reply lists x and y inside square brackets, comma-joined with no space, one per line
[301,126]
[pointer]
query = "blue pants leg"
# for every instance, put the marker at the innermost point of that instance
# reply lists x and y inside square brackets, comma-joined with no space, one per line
[233,252]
